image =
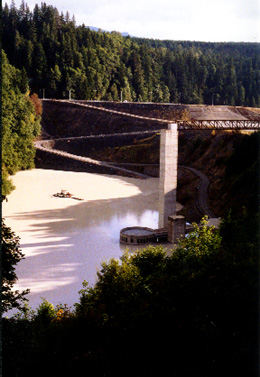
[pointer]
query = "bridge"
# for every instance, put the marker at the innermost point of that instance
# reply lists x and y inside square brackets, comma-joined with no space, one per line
[208,118]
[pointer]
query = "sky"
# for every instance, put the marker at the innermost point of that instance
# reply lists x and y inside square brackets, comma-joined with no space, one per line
[194,20]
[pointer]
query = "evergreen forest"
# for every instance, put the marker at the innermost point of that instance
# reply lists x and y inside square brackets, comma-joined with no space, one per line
[21,116]
[62,59]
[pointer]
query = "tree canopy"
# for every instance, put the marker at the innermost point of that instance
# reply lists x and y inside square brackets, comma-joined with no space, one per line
[59,56]
[190,312]
[21,114]
[11,254]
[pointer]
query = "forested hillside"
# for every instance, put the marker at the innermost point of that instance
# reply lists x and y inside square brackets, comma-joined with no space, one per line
[21,116]
[60,57]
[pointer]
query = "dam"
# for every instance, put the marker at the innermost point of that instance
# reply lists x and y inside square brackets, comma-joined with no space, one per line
[203,117]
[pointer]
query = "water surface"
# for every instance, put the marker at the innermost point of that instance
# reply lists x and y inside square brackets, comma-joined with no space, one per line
[64,240]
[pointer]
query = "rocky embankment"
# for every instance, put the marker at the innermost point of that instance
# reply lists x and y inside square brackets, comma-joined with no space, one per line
[65,118]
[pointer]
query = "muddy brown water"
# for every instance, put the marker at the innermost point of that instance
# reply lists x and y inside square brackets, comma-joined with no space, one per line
[64,240]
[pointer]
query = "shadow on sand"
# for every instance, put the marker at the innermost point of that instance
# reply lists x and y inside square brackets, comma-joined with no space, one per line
[69,244]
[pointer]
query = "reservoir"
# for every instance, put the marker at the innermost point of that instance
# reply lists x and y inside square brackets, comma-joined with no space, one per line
[65,240]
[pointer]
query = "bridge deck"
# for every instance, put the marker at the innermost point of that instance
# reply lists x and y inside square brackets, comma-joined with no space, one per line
[219,124]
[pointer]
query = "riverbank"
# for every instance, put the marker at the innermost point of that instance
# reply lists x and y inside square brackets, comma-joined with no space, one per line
[64,240]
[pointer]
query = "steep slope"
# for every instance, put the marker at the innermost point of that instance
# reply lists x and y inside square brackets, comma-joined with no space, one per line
[207,151]
[230,161]
[64,119]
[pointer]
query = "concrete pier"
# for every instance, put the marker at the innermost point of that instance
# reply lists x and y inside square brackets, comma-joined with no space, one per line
[176,228]
[168,174]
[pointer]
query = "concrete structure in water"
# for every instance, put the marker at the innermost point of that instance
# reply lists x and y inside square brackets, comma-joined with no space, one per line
[168,174]
[169,224]
[168,184]
[176,228]
[137,235]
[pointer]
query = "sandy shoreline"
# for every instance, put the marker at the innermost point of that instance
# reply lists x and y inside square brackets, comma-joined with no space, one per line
[65,240]
[35,189]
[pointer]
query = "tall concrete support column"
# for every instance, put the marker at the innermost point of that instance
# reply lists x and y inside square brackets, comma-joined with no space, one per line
[168,174]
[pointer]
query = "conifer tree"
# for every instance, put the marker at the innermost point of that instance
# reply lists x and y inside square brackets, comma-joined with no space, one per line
[193,71]
[20,124]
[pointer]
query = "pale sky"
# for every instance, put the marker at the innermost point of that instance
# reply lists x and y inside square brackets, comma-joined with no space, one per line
[195,20]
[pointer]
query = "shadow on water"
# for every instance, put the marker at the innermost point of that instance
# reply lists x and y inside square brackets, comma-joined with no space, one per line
[70,243]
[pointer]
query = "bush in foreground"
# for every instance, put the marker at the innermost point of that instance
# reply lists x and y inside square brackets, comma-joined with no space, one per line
[194,312]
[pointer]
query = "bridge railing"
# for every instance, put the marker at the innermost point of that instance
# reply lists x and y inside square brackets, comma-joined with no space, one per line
[226,124]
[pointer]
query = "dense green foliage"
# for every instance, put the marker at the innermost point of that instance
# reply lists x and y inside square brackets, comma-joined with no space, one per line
[243,171]
[10,255]
[194,312]
[59,56]
[20,123]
